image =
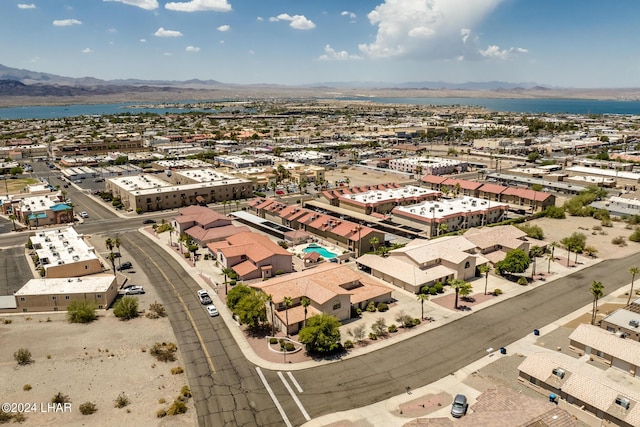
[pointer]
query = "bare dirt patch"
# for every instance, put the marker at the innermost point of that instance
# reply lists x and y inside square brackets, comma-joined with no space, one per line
[424,405]
[90,363]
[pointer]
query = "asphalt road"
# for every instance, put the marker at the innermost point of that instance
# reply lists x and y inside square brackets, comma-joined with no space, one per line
[226,388]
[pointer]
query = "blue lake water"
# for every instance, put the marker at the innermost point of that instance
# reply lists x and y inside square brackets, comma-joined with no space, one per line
[551,106]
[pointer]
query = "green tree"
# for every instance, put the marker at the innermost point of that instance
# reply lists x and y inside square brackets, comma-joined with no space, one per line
[575,242]
[13,220]
[112,259]
[597,290]
[516,261]
[288,302]
[251,309]
[374,242]
[81,312]
[305,302]
[633,270]
[533,231]
[269,299]
[422,297]
[485,269]
[235,295]
[126,308]
[379,327]
[321,335]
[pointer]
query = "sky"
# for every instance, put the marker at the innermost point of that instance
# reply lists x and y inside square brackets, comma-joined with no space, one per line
[561,43]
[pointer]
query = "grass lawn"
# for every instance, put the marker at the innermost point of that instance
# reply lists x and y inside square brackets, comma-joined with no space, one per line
[17,185]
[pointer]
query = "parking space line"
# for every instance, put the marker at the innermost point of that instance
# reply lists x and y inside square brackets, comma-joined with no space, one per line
[295,398]
[295,383]
[273,397]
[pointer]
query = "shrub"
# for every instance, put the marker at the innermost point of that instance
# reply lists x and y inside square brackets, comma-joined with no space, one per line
[635,236]
[597,227]
[279,272]
[88,408]
[164,352]
[122,400]
[497,292]
[372,336]
[23,356]
[6,321]
[289,347]
[177,408]
[126,308]
[158,308]
[138,211]
[416,321]
[273,340]
[439,287]
[607,223]
[382,307]
[371,307]
[81,312]
[348,344]
[620,241]
[177,370]
[433,290]
[523,281]
[162,400]
[5,417]
[60,398]
[161,413]
[184,391]
[26,387]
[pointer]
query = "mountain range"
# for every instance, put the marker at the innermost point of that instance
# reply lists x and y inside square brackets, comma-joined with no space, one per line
[38,84]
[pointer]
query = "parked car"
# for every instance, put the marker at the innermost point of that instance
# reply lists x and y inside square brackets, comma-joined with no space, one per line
[149,221]
[98,180]
[83,214]
[204,297]
[213,311]
[77,181]
[124,266]
[134,290]
[459,406]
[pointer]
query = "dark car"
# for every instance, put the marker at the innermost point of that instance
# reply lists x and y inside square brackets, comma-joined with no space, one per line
[149,221]
[459,406]
[124,266]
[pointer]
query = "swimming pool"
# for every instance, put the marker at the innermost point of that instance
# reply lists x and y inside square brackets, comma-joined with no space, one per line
[324,253]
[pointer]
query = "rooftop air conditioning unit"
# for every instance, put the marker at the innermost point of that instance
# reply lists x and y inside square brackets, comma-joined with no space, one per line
[558,372]
[634,323]
[623,402]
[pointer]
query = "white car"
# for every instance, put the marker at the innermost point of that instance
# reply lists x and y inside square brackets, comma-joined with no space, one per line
[83,214]
[204,297]
[213,311]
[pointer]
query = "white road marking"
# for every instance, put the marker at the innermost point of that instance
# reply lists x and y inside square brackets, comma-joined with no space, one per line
[295,383]
[273,397]
[295,398]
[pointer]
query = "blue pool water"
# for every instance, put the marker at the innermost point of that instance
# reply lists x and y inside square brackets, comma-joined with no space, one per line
[319,249]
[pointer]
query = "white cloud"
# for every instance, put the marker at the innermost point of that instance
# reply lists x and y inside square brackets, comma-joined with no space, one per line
[26,6]
[251,52]
[330,54]
[349,14]
[199,6]
[192,49]
[259,19]
[426,29]
[87,50]
[66,22]
[298,22]
[167,54]
[494,52]
[167,33]
[223,28]
[112,31]
[143,40]
[142,4]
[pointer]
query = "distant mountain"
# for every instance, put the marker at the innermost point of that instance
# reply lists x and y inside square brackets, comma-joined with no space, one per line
[17,88]
[33,77]
[493,85]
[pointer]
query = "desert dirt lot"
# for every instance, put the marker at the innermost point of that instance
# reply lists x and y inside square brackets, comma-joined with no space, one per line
[93,363]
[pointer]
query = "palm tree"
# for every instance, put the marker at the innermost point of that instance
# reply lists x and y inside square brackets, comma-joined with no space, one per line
[270,301]
[13,220]
[374,242]
[457,284]
[228,272]
[306,302]
[597,290]
[112,258]
[117,242]
[109,243]
[633,270]
[550,258]
[422,297]
[534,252]
[287,303]
[485,269]
[170,229]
